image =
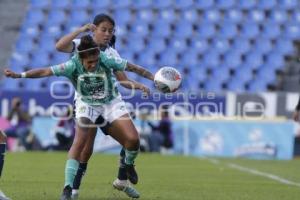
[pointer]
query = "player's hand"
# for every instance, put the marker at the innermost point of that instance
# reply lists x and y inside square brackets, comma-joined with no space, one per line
[88,27]
[296,116]
[11,74]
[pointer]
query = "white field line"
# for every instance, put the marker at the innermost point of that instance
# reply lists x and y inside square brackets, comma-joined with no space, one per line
[254,172]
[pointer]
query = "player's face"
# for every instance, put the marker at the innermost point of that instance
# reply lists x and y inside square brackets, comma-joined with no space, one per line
[104,32]
[90,63]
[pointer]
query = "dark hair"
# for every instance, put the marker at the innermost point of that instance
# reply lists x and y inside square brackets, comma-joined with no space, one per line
[98,19]
[87,47]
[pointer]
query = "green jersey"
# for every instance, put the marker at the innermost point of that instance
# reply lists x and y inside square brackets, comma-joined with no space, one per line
[94,88]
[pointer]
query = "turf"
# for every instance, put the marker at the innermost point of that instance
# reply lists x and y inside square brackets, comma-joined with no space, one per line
[40,176]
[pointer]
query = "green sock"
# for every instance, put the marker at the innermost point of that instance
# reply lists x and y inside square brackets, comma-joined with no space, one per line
[70,171]
[130,156]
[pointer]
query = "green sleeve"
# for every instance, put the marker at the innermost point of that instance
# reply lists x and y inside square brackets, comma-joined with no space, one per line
[64,69]
[113,62]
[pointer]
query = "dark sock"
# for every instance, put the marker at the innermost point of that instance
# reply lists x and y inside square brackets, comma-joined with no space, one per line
[2,154]
[122,170]
[80,172]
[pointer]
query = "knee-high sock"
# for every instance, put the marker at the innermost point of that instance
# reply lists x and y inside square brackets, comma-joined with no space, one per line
[70,171]
[2,155]
[130,156]
[122,175]
[80,172]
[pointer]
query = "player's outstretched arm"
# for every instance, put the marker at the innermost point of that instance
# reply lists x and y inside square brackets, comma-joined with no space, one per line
[65,44]
[35,73]
[140,71]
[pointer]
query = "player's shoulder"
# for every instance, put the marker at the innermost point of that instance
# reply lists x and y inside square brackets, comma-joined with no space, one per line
[111,51]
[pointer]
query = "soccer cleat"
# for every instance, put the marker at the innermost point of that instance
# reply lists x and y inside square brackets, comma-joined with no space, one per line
[131,174]
[123,185]
[3,197]
[75,194]
[67,193]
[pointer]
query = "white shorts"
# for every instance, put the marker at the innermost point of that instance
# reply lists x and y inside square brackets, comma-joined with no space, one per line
[109,112]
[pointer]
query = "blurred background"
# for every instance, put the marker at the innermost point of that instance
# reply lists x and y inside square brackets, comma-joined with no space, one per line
[239,60]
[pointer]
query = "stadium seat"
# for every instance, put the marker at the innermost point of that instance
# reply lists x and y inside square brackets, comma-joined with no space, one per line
[31,31]
[292,30]
[266,4]
[284,46]
[189,58]
[204,4]
[257,85]
[262,45]
[233,15]
[266,73]
[12,84]
[244,73]
[241,44]
[60,4]
[128,55]
[206,30]
[80,16]
[199,45]
[18,60]
[183,29]
[39,59]
[256,16]
[167,15]
[275,60]
[211,59]
[157,44]
[190,15]
[54,30]
[38,4]
[145,15]
[140,4]
[147,58]
[34,85]
[178,44]
[117,4]
[168,57]
[295,16]
[25,44]
[140,28]
[80,4]
[56,16]
[227,30]
[278,16]
[211,16]
[58,85]
[183,4]
[232,59]
[158,4]
[288,4]
[47,43]
[221,74]
[136,44]
[254,59]
[34,17]
[249,30]
[59,58]
[246,5]
[220,45]
[71,26]
[121,30]
[122,16]
[271,30]
[161,29]
[224,4]
[213,85]
[235,85]
[100,4]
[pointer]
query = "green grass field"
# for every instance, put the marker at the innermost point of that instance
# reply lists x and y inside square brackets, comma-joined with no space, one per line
[40,176]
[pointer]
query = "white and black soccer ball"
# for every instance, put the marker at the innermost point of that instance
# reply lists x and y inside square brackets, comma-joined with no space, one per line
[167,79]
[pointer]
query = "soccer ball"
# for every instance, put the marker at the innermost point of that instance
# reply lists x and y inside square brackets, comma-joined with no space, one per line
[167,79]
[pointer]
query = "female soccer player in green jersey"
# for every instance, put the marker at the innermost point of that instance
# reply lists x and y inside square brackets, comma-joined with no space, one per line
[90,72]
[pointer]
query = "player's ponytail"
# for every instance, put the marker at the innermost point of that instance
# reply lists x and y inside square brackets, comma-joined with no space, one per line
[87,47]
[112,42]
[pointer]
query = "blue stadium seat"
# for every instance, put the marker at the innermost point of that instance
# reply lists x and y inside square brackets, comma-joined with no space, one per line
[266,4]
[288,4]
[221,74]
[18,60]
[161,29]
[12,84]
[190,15]
[178,44]
[147,59]
[213,85]
[254,59]
[262,45]
[30,30]
[59,58]
[241,44]
[34,17]
[80,16]
[292,30]
[169,58]
[80,4]
[199,45]
[47,43]
[100,4]
[58,85]
[162,4]
[225,4]
[117,4]
[122,16]
[189,58]
[236,85]
[266,73]
[25,44]
[275,60]
[183,4]
[211,59]
[145,15]
[271,30]
[140,4]
[256,16]
[121,30]
[206,30]
[233,15]
[211,16]
[278,16]
[56,16]
[250,30]
[39,59]
[167,15]
[136,44]
[220,45]
[295,16]
[284,46]
[183,29]
[128,55]
[245,5]
[54,30]
[257,85]
[232,59]
[70,26]
[204,4]
[34,85]
[38,4]
[243,73]
[227,30]
[140,28]
[157,44]
[60,4]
